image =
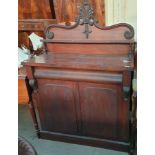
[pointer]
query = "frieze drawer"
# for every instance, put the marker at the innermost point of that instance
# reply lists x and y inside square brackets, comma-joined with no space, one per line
[78,75]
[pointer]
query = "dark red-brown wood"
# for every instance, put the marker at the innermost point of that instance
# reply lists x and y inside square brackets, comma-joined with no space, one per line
[62,95]
[101,106]
[82,83]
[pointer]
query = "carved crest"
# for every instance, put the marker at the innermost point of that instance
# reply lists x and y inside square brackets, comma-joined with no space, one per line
[86,18]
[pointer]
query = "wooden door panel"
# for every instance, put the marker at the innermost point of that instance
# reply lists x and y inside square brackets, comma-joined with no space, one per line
[102,111]
[56,106]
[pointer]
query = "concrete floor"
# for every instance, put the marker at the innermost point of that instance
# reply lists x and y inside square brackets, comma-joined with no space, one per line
[46,147]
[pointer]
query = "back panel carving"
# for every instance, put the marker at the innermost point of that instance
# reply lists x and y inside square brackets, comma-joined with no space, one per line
[86,30]
[87,25]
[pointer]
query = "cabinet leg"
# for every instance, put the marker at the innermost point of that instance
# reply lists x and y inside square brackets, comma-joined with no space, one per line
[32,111]
[133,141]
[30,86]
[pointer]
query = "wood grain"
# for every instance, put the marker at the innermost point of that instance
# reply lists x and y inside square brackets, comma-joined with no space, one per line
[92,76]
[100,111]
[67,10]
[109,49]
[81,61]
[34,9]
[61,101]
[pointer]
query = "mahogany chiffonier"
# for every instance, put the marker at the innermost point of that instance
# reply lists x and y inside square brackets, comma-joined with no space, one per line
[80,87]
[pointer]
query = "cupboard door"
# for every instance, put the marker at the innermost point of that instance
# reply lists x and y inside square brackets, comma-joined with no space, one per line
[57,107]
[103,111]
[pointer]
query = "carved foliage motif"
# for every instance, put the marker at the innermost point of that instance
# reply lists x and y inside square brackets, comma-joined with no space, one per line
[86,17]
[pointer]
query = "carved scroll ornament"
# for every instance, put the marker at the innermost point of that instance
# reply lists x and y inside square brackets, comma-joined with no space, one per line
[86,18]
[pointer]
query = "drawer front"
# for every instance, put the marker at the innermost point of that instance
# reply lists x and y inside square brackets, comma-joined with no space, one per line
[31,26]
[91,76]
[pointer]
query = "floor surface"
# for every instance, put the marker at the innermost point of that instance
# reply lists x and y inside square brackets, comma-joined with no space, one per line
[46,147]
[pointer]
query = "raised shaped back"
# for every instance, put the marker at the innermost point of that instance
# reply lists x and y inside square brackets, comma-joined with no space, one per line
[87,37]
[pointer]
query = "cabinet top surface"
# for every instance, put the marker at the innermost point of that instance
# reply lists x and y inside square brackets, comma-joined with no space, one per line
[86,45]
[81,61]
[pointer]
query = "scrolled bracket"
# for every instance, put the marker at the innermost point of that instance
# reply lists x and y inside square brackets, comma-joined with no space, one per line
[33,84]
[49,35]
[130,33]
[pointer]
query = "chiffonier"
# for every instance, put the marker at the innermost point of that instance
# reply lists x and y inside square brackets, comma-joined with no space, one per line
[80,87]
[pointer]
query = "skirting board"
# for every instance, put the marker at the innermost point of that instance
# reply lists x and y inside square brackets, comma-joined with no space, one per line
[96,142]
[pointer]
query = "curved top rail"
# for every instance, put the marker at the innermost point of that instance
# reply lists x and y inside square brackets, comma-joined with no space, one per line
[86,18]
